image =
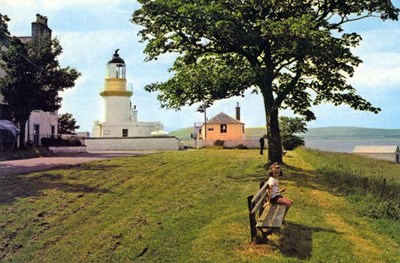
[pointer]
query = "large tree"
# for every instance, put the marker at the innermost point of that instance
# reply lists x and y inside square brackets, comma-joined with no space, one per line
[33,78]
[294,53]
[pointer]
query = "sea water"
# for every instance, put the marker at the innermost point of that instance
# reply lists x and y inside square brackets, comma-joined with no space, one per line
[347,145]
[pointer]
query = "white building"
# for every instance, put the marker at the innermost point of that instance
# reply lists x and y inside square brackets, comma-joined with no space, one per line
[119,118]
[40,124]
[382,152]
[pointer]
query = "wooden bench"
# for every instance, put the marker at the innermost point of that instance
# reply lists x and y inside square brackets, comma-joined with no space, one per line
[263,221]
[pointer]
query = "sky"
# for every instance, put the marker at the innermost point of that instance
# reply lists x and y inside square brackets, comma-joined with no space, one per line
[90,30]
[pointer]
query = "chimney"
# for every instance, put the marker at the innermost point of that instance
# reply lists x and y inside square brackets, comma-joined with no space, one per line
[40,28]
[238,112]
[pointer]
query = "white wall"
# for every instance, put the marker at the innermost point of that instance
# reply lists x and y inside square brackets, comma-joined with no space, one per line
[135,129]
[116,109]
[133,144]
[45,120]
[392,157]
[249,143]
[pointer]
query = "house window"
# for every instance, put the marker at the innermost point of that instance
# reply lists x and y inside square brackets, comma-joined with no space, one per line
[224,128]
[124,132]
[210,129]
[53,130]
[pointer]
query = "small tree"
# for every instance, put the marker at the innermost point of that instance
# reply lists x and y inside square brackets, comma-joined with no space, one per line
[67,124]
[289,127]
[33,78]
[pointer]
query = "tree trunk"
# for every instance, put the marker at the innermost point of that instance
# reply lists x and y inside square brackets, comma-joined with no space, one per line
[271,115]
[273,136]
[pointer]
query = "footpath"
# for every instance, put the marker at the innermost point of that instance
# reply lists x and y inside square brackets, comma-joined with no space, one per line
[23,166]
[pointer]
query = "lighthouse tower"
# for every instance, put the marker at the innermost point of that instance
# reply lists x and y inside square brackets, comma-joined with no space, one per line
[116,93]
[119,118]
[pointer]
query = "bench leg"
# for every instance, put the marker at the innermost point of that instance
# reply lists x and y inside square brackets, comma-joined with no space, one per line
[252,219]
[262,236]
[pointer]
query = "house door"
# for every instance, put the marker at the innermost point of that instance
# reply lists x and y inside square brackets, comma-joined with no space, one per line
[36,129]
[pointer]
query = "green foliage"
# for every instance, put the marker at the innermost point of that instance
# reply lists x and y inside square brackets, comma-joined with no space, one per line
[60,142]
[242,147]
[4,33]
[290,142]
[33,78]
[219,143]
[284,50]
[289,127]
[67,124]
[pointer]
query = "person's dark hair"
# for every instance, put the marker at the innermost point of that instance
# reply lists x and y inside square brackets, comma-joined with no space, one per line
[275,166]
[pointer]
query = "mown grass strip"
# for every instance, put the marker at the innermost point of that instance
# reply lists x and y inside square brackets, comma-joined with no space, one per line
[178,207]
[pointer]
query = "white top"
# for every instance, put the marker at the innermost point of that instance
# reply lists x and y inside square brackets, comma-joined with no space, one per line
[274,186]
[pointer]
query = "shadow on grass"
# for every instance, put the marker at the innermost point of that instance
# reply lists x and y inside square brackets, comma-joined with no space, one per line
[13,187]
[258,177]
[296,240]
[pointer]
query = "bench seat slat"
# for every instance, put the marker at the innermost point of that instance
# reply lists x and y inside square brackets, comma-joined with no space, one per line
[272,216]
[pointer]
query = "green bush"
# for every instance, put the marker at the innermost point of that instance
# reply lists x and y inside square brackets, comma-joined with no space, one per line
[290,142]
[242,147]
[60,142]
[219,143]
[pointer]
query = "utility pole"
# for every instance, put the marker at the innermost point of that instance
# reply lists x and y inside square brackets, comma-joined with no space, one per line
[203,108]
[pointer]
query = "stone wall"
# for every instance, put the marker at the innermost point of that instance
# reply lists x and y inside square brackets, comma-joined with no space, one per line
[249,143]
[165,143]
[68,149]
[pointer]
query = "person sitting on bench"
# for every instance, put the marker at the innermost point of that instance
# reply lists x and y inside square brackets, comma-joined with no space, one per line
[275,194]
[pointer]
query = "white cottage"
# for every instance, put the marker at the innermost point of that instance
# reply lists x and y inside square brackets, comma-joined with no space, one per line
[383,152]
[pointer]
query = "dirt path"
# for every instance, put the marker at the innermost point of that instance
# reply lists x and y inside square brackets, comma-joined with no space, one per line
[16,167]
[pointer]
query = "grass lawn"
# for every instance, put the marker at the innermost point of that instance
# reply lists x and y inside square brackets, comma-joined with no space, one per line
[188,206]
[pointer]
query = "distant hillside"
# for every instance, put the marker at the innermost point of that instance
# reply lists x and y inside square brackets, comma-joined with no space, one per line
[323,133]
[353,132]
[183,134]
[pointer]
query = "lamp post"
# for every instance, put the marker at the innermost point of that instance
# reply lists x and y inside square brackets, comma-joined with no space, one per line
[203,108]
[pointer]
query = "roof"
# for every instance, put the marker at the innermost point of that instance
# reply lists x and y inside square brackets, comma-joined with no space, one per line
[25,39]
[116,58]
[376,149]
[224,119]
[8,128]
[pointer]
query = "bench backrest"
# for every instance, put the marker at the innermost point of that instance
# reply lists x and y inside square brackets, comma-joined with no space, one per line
[260,197]
[255,204]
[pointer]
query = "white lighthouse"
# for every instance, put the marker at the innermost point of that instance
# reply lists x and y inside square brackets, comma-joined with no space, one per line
[119,118]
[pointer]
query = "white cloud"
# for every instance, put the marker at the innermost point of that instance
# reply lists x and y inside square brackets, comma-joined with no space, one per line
[379,70]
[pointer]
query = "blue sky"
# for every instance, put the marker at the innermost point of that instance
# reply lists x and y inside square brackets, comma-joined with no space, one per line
[90,31]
